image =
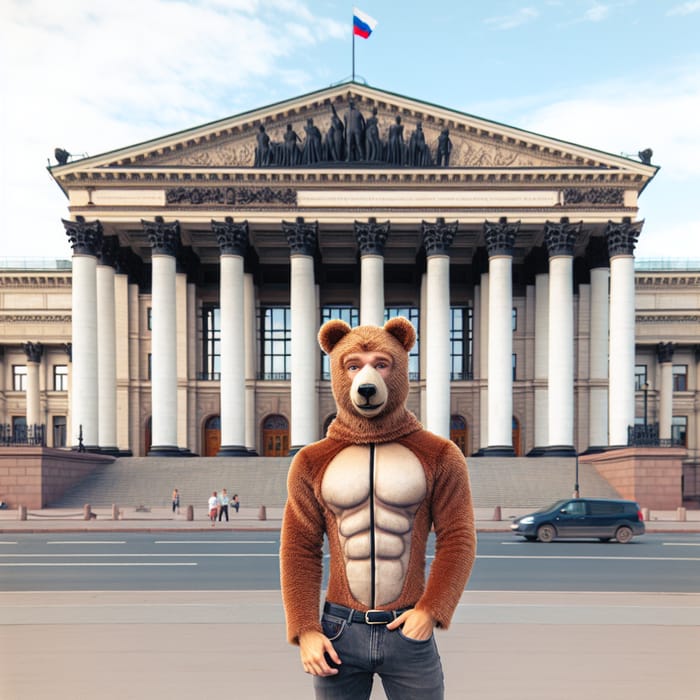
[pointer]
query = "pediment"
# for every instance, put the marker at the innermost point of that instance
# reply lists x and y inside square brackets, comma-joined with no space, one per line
[475,143]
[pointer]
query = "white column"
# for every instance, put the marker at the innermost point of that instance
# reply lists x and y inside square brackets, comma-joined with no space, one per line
[437,238]
[305,352]
[371,238]
[372,290]
[106,351]
[665,356]
[232,357]
[483,341]
[33,351]
[438,346]
[561,353]
[163,355]
[598,358]
[84,404]
[251,362]
[621,240]
[541,360]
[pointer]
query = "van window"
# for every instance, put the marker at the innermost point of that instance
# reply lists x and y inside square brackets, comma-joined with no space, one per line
[611,508]
[575,508]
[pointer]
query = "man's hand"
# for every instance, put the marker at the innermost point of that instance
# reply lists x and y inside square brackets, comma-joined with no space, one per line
[417,624]
[313,647]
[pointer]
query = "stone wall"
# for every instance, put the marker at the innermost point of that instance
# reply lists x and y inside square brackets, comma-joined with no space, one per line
[649,475]
[36,476]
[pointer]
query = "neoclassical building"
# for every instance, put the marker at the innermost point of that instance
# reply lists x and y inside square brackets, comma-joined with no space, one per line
[204,262]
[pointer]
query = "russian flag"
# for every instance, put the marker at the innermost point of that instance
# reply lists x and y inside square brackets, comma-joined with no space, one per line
[362,24]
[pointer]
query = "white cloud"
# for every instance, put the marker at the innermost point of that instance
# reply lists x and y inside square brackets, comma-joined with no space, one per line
[597,13]
[685,8]
[522,16]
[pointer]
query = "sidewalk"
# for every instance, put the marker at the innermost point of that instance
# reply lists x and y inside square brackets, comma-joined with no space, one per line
[159,519]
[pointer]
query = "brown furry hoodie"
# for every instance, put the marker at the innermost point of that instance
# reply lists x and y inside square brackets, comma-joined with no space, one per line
[376,485]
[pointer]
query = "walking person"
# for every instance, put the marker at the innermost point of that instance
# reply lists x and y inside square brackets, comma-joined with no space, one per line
[223,505]
[176,501]
[213,505]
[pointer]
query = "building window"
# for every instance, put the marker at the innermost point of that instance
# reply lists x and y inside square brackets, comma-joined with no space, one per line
[276,342]
[149,318]
[411,313]
[461,343]
[640,377]
[515,366]
[19,377]
[60,377]
[59,431]
[680,377]
[150,366]
[351,316]
[211,343]
[515,320]
[679,430]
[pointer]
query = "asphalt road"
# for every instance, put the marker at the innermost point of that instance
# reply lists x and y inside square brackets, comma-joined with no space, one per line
[248,561]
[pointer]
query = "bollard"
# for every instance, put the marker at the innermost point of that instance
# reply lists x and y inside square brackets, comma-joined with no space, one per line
[21,512]
[681,514]
[115,512]
[497,513]
[262,513]
[87,512]
[645,514]
[190,512]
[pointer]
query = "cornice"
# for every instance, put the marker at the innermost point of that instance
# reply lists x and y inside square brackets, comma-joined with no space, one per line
[35,318]
[35,281]
[663,280]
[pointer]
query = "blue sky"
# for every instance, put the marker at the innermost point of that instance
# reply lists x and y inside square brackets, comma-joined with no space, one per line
[96,75]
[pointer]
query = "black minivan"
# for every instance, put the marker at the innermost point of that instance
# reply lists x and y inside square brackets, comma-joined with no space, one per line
[599,518]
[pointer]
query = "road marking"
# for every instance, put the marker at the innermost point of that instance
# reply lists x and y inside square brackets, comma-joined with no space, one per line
[85,541]
[215,542]
[8,542]
[100,563]
[681,544]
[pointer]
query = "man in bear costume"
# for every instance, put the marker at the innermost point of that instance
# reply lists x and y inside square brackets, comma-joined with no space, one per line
[375,486]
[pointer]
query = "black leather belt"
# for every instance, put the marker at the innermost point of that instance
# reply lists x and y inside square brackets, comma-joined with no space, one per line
[369,617]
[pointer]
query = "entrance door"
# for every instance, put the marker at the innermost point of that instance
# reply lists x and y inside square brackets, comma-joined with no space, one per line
[212,436]
[459,433]
[516,437]
[275,436]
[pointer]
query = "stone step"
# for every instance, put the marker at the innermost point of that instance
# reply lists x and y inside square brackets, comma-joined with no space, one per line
[519,482]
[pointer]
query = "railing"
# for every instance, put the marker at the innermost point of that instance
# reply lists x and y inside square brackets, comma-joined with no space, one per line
[209,376]
[275,376]
[648,436]
[23,435]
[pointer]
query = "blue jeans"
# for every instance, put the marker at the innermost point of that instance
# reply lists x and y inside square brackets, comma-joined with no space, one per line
[409,669]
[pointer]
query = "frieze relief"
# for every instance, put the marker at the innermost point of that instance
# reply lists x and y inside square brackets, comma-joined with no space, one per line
[35,318]
[321,137]
[231,196]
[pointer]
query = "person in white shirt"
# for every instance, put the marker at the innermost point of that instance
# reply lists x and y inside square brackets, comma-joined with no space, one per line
[213,507]
[223,505]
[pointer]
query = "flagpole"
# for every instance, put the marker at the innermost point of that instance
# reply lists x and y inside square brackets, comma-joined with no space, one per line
[352,25]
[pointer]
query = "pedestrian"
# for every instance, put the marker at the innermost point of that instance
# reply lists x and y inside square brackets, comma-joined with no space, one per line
[235,503]
[176,501]
[223,505]
[213,506]
[376,487]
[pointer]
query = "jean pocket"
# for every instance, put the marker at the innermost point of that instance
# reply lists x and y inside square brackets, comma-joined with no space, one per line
[333,627]
[411,640]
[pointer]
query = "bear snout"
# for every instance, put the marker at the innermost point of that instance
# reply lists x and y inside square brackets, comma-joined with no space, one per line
[368,392]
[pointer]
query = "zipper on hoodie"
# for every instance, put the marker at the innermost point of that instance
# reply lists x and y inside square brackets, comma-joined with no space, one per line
[372,543]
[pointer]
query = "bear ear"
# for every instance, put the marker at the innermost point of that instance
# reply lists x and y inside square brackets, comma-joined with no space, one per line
[402,329]
[331,333]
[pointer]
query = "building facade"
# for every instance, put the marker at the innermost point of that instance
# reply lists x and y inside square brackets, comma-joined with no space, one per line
[204,263]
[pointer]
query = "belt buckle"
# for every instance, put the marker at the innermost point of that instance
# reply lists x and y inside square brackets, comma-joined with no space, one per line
[376,622]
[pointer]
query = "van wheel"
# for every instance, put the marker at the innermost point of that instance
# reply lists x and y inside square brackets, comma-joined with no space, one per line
[546,533]
[623,534]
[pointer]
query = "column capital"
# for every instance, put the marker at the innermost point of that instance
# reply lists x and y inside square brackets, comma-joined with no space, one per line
[371,237]
[664,352]
[500,236]
[560,237]
[301,236]
[163,237]
[85,237]
[437,237]
[622,236]
[33,351]
[232,237]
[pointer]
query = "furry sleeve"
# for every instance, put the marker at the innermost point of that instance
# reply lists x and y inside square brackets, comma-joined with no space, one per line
[455,536]
[301,550]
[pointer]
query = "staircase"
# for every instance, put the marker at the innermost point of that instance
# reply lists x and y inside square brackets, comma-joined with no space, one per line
[519,482]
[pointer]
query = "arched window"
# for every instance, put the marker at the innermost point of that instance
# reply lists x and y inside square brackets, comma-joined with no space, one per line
[459,433]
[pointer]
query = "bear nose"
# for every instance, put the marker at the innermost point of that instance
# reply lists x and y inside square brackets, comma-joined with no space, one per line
[366,391]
